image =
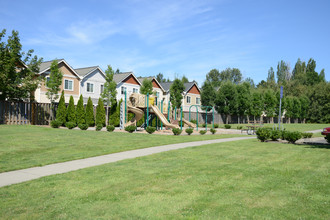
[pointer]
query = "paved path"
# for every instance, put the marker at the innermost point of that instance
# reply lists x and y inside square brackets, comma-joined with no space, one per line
[24,175]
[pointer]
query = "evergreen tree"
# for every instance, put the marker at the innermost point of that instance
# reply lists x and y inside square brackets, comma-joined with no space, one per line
[80,111]
[176,91]
[146,87]
[184,79]
[109,92]
[160,78]
[90,113]
[304,102]
[71,112]
[100,113]
[270,104]
[208,94]
[61,110]
[256,106]
[114,118]
[296,110]
[53,84]
[226,101]
[18,69]
[283,72]
[243,99]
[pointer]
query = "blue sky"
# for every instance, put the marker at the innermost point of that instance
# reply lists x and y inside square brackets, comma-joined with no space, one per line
[176,37]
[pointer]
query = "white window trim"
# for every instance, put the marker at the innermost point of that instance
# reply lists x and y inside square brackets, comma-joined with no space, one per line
[199,100]
[72,85]
[121,90]
[87,87]
[189,100]
[135,89]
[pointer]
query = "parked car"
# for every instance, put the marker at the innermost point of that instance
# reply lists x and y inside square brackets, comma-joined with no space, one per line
[325,131]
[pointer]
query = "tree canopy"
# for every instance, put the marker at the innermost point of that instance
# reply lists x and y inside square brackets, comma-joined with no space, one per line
[176,91]
[146,87]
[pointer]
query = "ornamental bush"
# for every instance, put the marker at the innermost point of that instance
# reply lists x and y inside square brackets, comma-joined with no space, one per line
[275,134]
[193,121]
[202,132]
[263,134]
[307,135]
[328,138]
[80,111]
[189,131]
[239,127]
[110,128]
[114,118]
[100,113]
[227,126]
[70,125]
[90,113]
[176,131]
[71,112]
[99,127]
[55,123]
[83,126]
[150,129]
[216,125]
[130,128]
[292,137]
[61,110]
[213,131]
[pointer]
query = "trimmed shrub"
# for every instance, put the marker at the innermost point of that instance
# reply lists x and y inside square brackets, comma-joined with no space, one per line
[130,128]
[328,138]
[189,131]
[99,127]
[193,121]
[213,131]
[114,118]
[176,131]
[282,134]
[110,128]
[202,132]
[80,111]
[307,135]
[71,112]
[216,125]
[55,123]
[150,129]
[275,134]
[263,134]
[203,125]
[227,126]
[90,113]
[61,110]
[100,113]
[70,124]
[239,127]
[292,137]
[83,126]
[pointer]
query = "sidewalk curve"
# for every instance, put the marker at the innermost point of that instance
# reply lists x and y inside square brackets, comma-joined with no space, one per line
[19,176]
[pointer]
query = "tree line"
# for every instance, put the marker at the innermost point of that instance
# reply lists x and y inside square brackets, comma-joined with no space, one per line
[306,94]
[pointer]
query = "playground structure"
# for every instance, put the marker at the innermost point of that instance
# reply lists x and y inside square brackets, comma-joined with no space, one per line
[147,105]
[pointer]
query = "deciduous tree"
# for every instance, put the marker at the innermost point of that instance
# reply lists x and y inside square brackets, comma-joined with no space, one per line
[146,87]
[109,90]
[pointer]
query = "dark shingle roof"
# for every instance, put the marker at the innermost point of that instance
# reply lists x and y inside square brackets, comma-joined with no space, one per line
[45,65]
[119,77]
[84,71]
[187,86]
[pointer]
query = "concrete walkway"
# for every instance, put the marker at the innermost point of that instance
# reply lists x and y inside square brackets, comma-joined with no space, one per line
[19,176]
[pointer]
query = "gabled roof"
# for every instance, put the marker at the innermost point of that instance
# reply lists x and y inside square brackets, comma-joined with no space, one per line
[84,72]
[187,86]
[120,77]
[45,66]
[151,78]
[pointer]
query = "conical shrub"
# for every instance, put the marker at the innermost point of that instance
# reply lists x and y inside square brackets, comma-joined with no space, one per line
[71,112]
[80,111]
[61,110]
[100,113]
[90,113]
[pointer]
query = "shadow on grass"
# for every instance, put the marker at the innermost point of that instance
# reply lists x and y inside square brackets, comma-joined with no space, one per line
[317,145]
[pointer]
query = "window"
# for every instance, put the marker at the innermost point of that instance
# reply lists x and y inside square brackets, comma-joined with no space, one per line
[47,80]
[188,99]
[123,90]
[135,90]
[90,87]
[102,89]
[198,101]
[68,84]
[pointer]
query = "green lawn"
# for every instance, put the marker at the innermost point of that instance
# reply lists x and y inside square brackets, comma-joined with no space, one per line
[235,180]
[289,127]
[29,146]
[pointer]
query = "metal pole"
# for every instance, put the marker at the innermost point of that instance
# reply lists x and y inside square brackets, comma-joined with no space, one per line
[206,119]
[181,118]
[168,111]
[147,110]
[197,117]
[175,113]
[213,117]
[280,116]
[161,105]
[125,106]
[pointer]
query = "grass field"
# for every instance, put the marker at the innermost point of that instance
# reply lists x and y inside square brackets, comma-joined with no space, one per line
[235,180]
[29,146]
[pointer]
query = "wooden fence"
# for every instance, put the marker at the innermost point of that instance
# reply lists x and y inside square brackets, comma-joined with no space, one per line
[21,113]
